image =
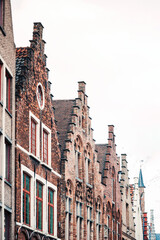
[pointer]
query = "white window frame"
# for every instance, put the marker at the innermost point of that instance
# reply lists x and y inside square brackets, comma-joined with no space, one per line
[77,159]
[68,215]
[98,223]
[37,121]
[87,169]
[79,219]
[89,222]
[48,131]
[33,179]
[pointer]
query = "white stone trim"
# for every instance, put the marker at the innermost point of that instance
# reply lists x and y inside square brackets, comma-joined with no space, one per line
[45,128]
[46,185]
[39,84]
[25,151]
[31,115]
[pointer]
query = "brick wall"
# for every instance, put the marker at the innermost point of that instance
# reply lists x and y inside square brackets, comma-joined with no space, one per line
[32,71]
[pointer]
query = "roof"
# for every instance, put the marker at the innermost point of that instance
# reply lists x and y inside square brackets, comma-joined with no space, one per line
[63,115]
[140,180]
[101,155]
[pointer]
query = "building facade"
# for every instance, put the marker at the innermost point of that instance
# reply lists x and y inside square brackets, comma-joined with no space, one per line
[7,122]
[37,146]
[128,226]
[137,209]
[90,191]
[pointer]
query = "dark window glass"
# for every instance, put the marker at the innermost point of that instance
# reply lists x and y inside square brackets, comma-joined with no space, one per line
[26,199]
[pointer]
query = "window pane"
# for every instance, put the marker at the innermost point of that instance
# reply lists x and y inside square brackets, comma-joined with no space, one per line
[40,215]
[40,190]
[51,196]
[51,220]
[27,183]
[27,209]
[7,168]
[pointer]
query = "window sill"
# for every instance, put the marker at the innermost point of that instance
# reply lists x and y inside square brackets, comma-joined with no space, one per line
[9,184]
[89,185]
[8,113]
[46,165]
[78,179]
[34,157]
[2,30]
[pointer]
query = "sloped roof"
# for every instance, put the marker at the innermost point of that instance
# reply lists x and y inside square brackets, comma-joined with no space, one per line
[140,180]
[63,114]
[101,155]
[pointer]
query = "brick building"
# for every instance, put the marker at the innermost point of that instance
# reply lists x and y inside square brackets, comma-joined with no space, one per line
[7,121]
[90,190]
[128,225]
[37,150]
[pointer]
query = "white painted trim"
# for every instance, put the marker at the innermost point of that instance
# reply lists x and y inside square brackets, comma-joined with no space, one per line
[45,128]
[57,174]
[25,151]
[46,185]
[31,115]
[39,84]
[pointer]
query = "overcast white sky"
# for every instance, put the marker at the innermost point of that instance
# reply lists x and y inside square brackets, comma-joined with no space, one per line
[114,46]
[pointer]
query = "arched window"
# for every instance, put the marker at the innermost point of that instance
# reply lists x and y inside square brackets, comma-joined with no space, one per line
[88,164]
[78,157]
[68,220]
[98,218]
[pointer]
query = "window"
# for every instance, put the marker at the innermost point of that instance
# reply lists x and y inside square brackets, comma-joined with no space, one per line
[79,219]
[8,158]
[7,226]
[117,230]
[0,81]
[26,199]
[87,170]
[89,223]
[77,154]
[106,229]
[68,217]
[1,12]
[98,223]
[45,146]
[40,96]
[33,137]
[8,91]
[39,205]
[51,211]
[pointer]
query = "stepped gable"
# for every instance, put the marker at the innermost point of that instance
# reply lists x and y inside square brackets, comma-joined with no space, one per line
[63,116]
[29,57]
[107,154]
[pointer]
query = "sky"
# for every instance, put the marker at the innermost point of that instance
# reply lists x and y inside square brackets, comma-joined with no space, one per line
[114,46]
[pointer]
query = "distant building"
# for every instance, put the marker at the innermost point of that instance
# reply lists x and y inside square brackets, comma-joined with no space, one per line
[7,122]
[141,188]
[128,227]
[37,147]
[136,209]
[90,195]
[152,235]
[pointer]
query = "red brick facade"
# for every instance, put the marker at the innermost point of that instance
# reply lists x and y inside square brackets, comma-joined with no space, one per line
[37,155]
[90,189]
